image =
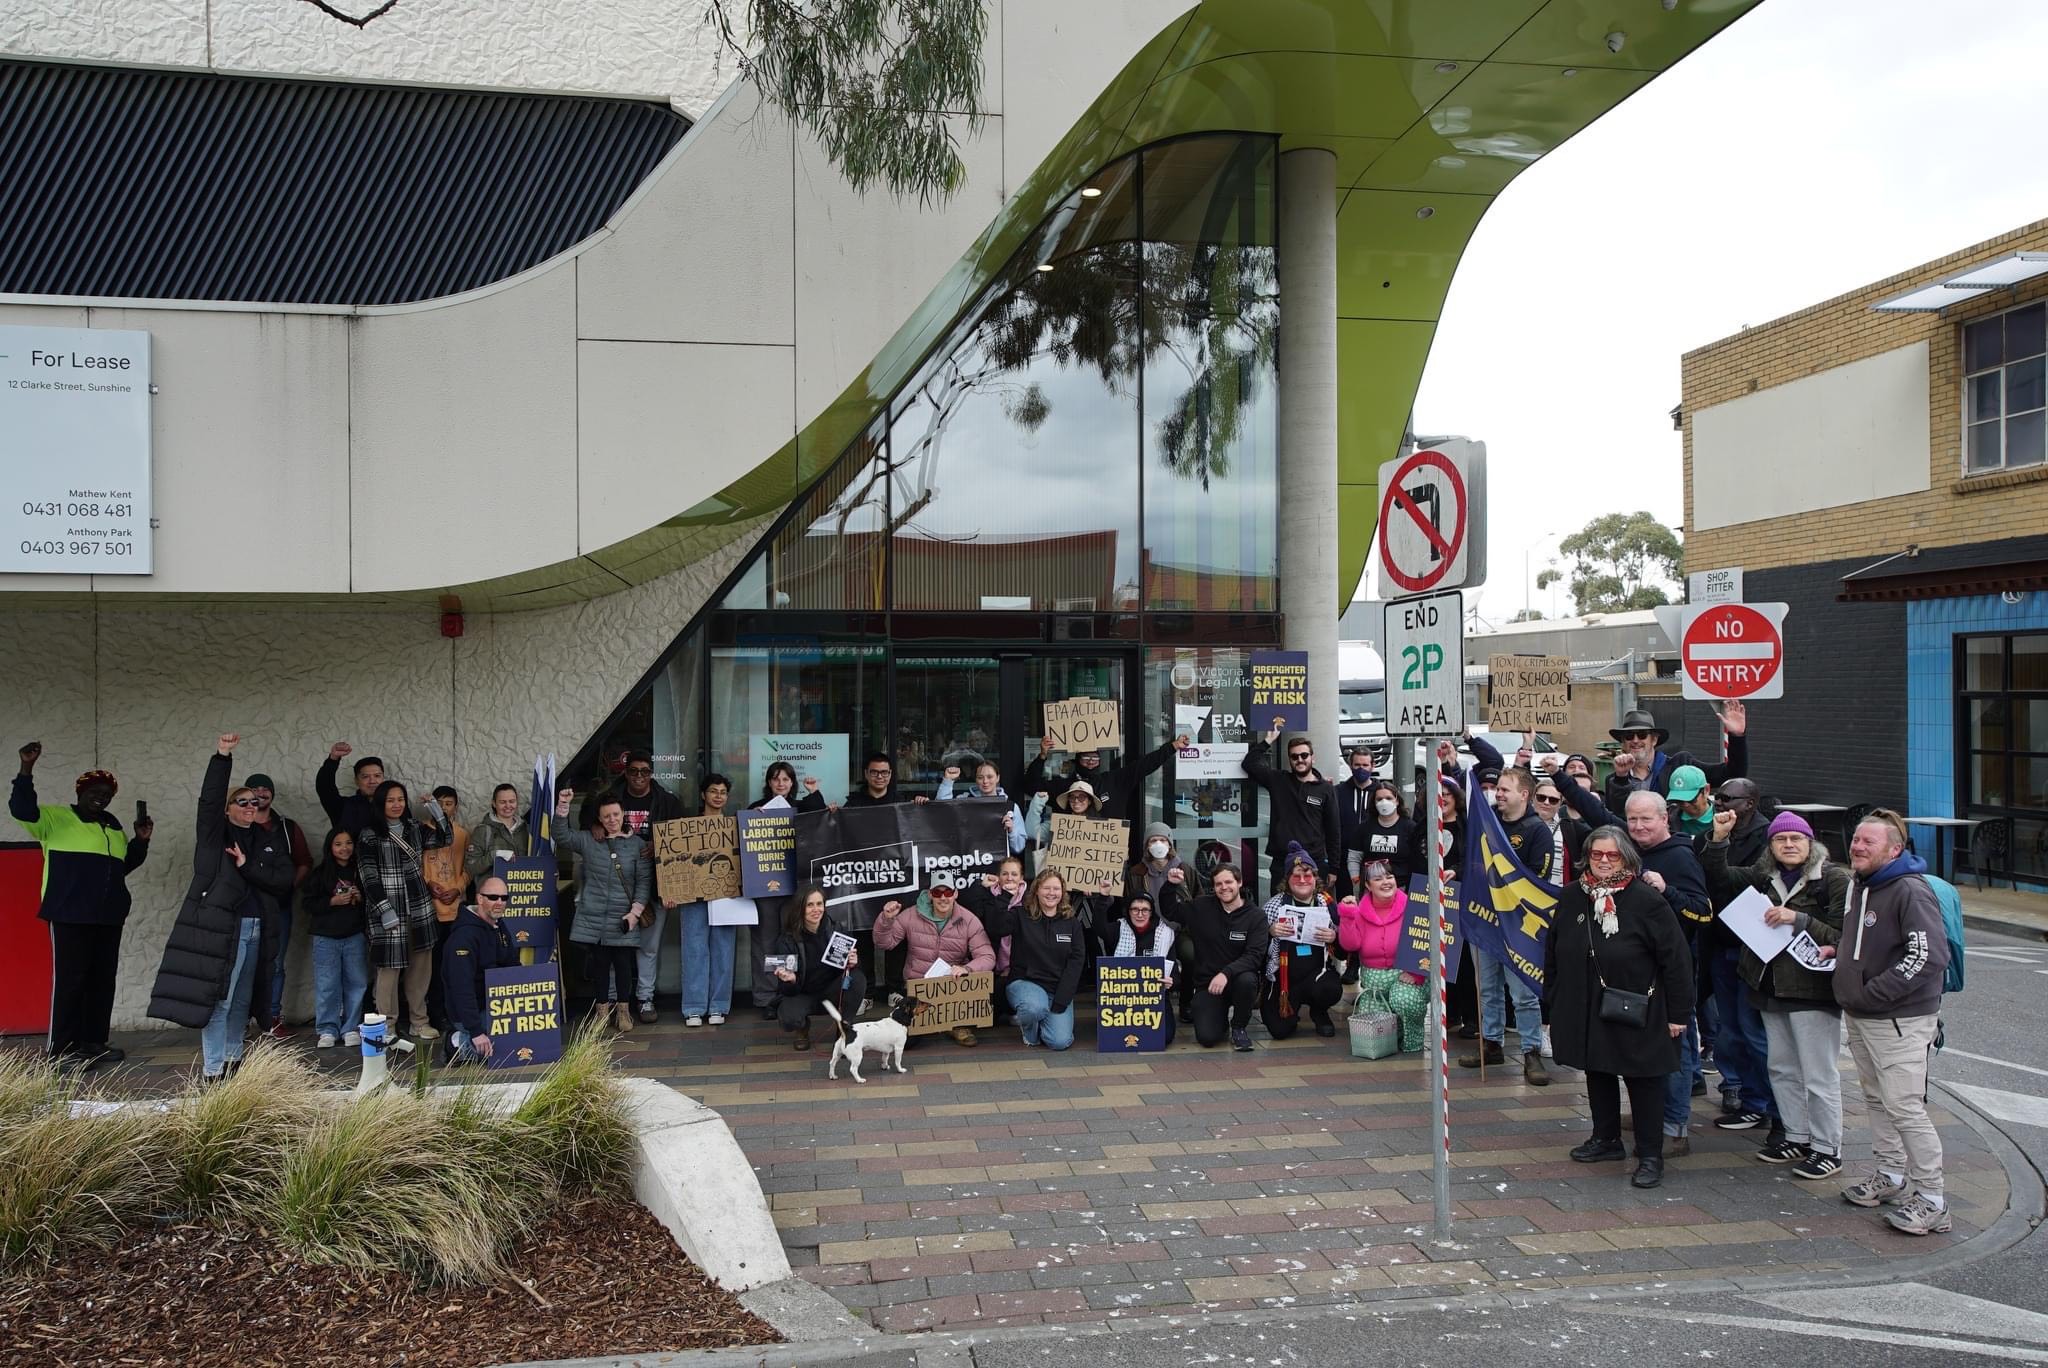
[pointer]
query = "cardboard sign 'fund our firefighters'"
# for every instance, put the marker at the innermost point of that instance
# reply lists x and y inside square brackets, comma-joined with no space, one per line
[955,1000]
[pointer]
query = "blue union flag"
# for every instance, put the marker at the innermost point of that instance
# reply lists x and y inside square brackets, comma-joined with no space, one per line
[1504,908]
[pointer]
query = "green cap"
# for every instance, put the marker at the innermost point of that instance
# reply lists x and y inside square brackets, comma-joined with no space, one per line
[1686,783]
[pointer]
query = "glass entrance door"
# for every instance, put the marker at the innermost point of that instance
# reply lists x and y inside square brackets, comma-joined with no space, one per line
[960,707]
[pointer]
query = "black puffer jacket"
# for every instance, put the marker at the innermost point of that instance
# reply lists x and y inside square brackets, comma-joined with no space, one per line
[193,976]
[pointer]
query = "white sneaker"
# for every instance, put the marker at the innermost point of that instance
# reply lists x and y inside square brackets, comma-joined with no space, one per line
[693,1021]
[1546,1042]
[326,1042]
[352,1038]
[717,1018]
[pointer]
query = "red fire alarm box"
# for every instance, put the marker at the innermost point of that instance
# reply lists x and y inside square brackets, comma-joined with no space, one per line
[24,942]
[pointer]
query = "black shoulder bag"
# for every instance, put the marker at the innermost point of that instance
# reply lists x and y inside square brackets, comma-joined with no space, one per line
[1617,1005]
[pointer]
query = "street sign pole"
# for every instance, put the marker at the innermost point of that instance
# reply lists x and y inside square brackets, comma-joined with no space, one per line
[1439,1026]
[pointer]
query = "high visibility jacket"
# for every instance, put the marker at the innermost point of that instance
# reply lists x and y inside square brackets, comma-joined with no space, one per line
[85,864]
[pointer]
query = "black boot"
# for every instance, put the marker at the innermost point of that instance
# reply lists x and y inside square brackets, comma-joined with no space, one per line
[1649,1171]
[1598,1149]
[1492,1052]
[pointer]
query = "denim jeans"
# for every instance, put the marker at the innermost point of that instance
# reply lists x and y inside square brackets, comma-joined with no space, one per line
[1041,1025]
[220,1040]
[1497,983]
[284,943]
[1741,1049]
[341,973]
[707,961]
[1678,1088]
[649,962]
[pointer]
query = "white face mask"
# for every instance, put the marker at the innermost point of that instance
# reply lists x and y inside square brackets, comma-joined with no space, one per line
[1386,807]
[1159,849]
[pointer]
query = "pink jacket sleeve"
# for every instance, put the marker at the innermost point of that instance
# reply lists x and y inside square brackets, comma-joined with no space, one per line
[981,956]
[889,930]
[1350,926]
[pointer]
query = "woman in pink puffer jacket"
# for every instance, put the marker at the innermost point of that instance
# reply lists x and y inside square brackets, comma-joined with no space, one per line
[1372,929]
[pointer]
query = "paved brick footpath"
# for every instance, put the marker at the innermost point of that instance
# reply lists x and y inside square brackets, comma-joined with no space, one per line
[1002,1185]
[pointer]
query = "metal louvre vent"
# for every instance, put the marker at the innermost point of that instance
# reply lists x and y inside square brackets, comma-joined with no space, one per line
[176,185]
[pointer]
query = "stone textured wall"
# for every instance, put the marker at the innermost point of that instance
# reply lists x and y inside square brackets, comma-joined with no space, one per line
[659,49]
[143,689]
[1954,510]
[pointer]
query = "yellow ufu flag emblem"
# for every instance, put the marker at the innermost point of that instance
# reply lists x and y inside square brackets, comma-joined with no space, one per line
[1506,909]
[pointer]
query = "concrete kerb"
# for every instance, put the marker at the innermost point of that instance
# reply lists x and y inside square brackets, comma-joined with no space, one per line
[2026,1205]
[1979,921]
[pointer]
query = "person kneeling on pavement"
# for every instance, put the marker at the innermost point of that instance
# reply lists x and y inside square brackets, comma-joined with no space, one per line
[940,932]
[803,980]
[1372,927]
[1302,968]
[1229,936]
[476,945]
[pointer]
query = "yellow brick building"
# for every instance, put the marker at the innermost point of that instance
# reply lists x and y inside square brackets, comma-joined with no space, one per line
[1879,461]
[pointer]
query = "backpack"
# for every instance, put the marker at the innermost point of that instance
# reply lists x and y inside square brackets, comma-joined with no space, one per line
[1952,923]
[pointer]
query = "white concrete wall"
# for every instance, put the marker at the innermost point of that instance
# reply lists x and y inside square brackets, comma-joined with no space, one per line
[404,445]
[658,49]
[1841,437]
[143,689]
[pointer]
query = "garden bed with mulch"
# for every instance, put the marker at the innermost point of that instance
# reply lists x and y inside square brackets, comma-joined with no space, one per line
[600,1276]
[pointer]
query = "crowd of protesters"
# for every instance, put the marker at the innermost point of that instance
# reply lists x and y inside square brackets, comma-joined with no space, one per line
[1643,984]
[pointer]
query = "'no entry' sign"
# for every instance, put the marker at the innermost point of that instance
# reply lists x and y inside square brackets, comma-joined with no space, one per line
[1733,650]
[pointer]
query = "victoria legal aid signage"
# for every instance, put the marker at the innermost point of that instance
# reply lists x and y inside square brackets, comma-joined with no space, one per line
[74,451]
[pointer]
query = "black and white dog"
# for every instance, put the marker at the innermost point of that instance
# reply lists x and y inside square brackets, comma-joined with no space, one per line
[886,1037]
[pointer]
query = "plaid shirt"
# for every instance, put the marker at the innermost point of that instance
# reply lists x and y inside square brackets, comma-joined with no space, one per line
[393,882]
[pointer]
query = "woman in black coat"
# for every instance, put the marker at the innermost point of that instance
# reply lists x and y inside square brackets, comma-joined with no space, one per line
[1611,928]
[803,987]
[215,965]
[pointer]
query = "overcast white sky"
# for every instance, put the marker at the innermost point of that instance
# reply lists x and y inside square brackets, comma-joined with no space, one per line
[1813,147]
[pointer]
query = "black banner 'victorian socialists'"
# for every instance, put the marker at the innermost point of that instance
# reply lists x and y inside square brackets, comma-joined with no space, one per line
[866,856]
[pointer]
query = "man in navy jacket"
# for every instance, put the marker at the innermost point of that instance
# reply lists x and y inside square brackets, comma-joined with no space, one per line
[476,944]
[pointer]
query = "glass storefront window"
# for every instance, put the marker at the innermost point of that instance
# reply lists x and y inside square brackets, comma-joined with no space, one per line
[813,686]
[666,719]
[1013,478]
[1211,318]
[830,554]
[1203,691]
[948,712]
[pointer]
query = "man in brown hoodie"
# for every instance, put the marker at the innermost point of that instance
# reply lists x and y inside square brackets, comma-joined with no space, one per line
[1888,974]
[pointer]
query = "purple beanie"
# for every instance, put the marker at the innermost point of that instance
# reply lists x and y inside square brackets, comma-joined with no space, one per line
[1792,822]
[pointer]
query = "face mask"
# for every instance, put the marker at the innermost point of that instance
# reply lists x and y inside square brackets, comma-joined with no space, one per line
[1386,807]
[1159,849]
[1493,798]
[1362,773]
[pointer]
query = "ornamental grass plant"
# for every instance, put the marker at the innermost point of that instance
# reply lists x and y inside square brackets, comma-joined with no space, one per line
[74,1172]
[440,1186]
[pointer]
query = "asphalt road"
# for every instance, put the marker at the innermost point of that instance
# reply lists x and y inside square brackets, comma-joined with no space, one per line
[1991,1310]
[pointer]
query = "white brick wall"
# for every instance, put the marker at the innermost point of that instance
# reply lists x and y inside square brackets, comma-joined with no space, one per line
[142,690]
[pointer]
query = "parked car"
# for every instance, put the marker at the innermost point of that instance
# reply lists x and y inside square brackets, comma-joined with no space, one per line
[1507,743]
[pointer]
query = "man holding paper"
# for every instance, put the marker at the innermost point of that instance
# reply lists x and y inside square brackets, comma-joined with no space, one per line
[1803,896]
[944,937]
